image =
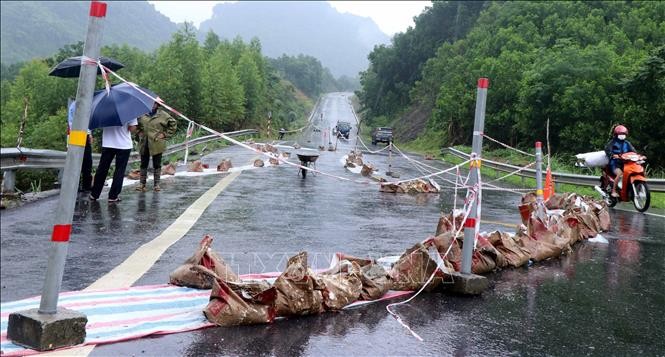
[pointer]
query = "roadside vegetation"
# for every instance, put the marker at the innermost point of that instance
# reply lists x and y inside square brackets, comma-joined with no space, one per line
[226,85]
[583,65]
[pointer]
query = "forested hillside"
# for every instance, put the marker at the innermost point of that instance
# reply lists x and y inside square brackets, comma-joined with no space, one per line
[224,84]
[33,29]
[307,73]
[340,41]
[583,65]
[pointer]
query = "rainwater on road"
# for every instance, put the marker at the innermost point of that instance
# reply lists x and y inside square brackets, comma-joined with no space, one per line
[603,299]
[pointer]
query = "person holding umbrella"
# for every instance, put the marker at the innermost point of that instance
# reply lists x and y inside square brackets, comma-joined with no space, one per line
[116,143]
[154,129]
[71,68]
[116,111]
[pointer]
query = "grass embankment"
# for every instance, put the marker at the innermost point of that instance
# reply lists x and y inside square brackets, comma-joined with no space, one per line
[424,145]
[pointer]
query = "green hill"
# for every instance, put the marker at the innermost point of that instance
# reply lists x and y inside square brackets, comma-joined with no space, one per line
[340,41]
[32,29]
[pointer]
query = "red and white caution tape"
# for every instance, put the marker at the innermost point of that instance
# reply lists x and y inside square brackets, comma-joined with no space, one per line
[506,145]
[269,155]
[368,149]
[440,264]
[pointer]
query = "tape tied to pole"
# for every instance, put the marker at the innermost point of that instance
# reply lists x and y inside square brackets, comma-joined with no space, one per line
[61,232]
[78,137]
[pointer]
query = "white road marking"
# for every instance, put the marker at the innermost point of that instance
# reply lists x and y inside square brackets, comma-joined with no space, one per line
[133,268]
[125,274]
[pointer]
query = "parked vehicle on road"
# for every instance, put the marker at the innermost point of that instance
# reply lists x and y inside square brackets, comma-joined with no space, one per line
[343,129]
[382,135]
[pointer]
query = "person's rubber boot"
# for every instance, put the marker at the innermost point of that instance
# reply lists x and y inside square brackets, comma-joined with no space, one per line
[156,174]
[142,180]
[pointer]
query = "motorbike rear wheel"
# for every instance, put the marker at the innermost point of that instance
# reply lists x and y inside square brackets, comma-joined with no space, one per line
[641,196]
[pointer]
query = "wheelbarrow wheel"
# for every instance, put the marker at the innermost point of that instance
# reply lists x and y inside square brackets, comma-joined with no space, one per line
[303,171]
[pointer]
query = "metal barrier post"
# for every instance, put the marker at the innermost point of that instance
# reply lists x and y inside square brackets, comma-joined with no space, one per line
[539,172]
[8,181]
[50,327]
[477,146]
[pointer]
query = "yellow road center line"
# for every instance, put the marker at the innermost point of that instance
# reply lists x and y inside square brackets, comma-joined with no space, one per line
[129,271]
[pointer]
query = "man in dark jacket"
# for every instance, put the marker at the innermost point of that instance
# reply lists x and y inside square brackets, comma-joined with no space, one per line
[617,146]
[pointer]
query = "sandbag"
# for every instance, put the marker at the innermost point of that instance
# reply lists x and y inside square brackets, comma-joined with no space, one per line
[445,223]
[366,170]
[341,289]
[593,159]
[600,209]
[569,227]
[195,166]
[134,174]
[206,257]
[225,165]
[228,308]
[452,256]
[375,282]
[298,289]
[556,201]
[259,163]
[413,269]
[539,250]
[273,161]
[514,254]
[485,247]
[548,234]
[169,169]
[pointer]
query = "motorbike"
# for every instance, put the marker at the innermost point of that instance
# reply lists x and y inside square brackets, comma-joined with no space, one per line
[633,186]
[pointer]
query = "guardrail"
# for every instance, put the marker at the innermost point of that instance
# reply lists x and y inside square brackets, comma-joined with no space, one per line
[655,185]
[12,159]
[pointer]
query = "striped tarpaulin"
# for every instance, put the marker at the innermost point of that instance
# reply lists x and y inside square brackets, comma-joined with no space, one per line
[130,313]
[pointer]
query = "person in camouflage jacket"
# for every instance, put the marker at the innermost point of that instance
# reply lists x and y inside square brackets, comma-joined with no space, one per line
[154,129]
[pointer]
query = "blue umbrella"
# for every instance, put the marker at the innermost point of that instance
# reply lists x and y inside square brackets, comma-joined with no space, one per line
[118,106]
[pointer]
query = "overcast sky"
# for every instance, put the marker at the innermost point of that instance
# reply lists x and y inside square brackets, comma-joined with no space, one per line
[390,16]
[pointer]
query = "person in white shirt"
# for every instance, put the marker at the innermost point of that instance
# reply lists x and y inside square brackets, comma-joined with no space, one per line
[116,143]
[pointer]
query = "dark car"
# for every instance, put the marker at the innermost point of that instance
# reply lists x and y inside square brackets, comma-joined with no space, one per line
[382,135]
[343,129]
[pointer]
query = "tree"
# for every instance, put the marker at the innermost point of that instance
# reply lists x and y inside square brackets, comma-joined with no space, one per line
[211,42]
[223,96]
[176,77]
[254,87]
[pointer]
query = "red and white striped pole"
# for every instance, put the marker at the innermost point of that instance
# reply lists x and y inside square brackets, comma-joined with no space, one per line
[77,138]
[51,327]
[471,223]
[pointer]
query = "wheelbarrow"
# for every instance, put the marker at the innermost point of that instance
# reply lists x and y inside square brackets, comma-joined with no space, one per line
[306,158]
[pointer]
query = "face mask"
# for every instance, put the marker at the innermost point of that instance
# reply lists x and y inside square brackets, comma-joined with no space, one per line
[621,137]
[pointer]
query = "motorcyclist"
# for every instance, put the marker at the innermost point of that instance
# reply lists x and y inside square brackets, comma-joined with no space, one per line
[617,146]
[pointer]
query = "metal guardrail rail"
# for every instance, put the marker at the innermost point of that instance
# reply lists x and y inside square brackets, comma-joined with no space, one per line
[655,185]
[13,159]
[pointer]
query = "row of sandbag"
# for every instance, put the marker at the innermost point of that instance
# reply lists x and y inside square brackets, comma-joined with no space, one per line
[298,290]
[544,234]
[355,159]
[411,187]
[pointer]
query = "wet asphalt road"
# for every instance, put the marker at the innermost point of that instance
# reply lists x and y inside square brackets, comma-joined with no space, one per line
[604,299]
